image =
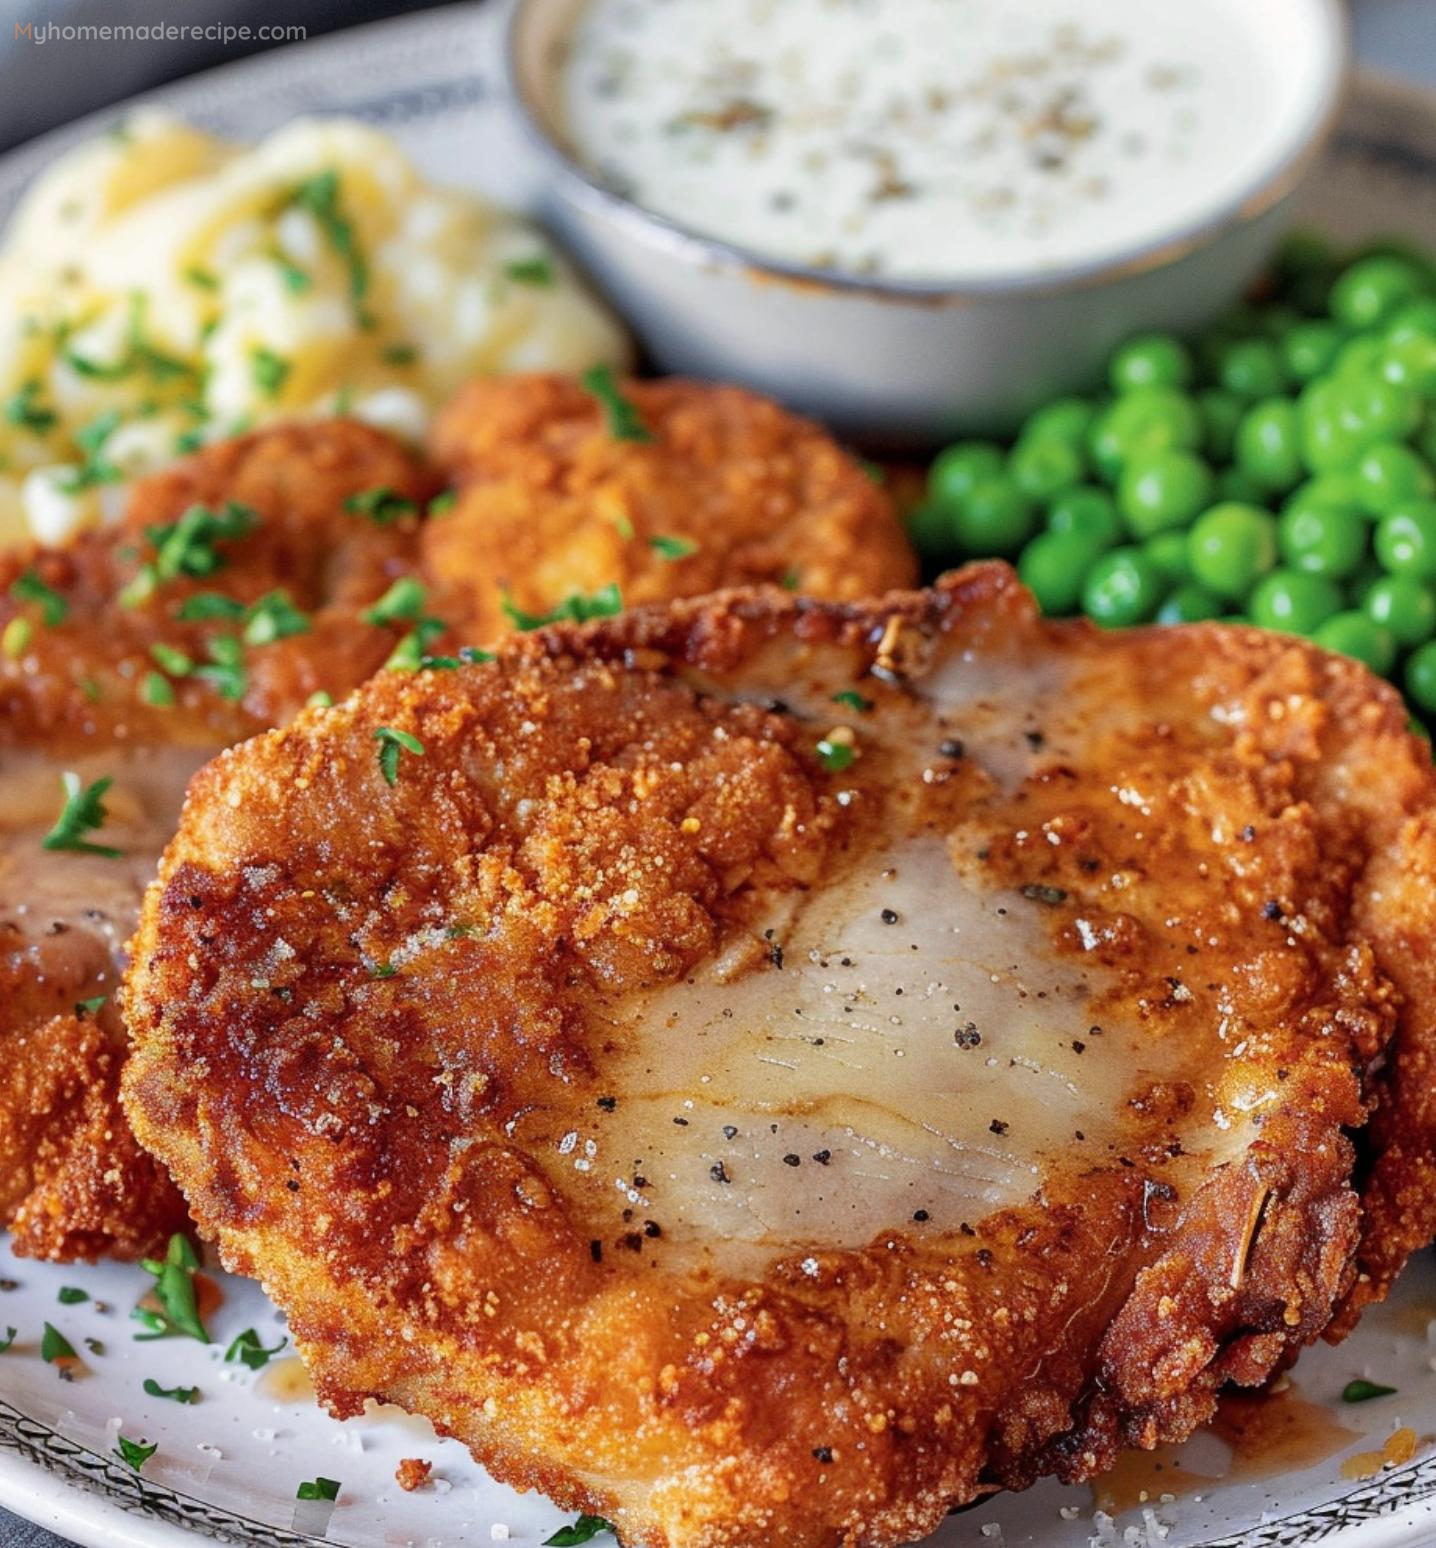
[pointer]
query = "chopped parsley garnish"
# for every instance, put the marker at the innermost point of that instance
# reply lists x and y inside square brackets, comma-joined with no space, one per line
[54,1346]
[391,743]
[381,506]
[319,699]
[90,1007]
[134,1452]
[25,410]
[175,662]
[247,1349]
[204,606]
[72,1295]
[139,354]
[273,617]
[176,1310]
[623,421]
[584,1530]
[95,469]
[296,280]
[789,579]
[318,1489]
[399,355]
[271,371]
[537,271]
[402,603]
[175,1394]
[225,668]
[853,700]
[672,547]
[443,502]
[408,655]
[835,756]
[157,691]
[54,609]
[875,472]
[187,547]
[383,970]
[201,279]
[1361,1391]
[575,608]
[7,1340]
[83,811]
[469,655]
[320,196]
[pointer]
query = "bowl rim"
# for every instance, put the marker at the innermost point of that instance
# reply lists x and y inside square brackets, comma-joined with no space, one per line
[666,235]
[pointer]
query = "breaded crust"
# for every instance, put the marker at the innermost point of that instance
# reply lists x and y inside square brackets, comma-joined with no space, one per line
[378,1025]
[77,692]
[731,490]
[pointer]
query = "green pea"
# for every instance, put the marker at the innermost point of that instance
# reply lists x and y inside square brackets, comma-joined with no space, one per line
[1310,349]
[1221,414]
[1357,356]
[930,530]
[1406,540]
[995,518]
[1371,290]
[1390,475]
[1411,362]
[1328,439]
[1053,566]
[1341,488]
[1121,589]
[1189,604]
[1150,360]
[1404,606]
[1168,553]
[1293,601]
[1354,634]
[955,471]
[1421,677]
[1044,466]
[1322,539]
[1064,419]
[1417,319]
[1252,368]
[1145,420]
[1380,410]
[1162,490]
[1086,512]
[1231,547]
[1268,444]
[1278,319]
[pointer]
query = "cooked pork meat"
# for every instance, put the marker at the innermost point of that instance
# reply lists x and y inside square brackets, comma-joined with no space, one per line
[763,1070]
[239,584]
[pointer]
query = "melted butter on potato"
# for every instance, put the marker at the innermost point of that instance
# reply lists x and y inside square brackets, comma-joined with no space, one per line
[165,288]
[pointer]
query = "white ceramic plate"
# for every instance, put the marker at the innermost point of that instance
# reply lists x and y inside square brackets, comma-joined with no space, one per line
[229,1465]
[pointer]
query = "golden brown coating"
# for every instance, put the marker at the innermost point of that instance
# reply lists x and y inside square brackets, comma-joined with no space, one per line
[74,695]
[768,1070]
[127,685]
[743,492]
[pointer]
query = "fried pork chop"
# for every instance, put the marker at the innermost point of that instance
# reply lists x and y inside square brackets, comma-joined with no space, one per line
[762,1070]
[137,652]
[728,489]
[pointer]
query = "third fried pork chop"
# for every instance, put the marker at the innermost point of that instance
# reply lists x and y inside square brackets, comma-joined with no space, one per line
[765,1069]
[245,580]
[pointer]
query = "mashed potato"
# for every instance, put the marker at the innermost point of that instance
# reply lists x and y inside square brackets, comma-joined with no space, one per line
[163,288]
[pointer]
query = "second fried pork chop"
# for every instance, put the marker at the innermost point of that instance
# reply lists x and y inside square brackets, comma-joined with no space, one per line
[766,1070]
[107,677]
[244,581]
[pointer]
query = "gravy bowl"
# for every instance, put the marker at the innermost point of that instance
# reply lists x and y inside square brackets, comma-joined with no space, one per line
[900,363]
